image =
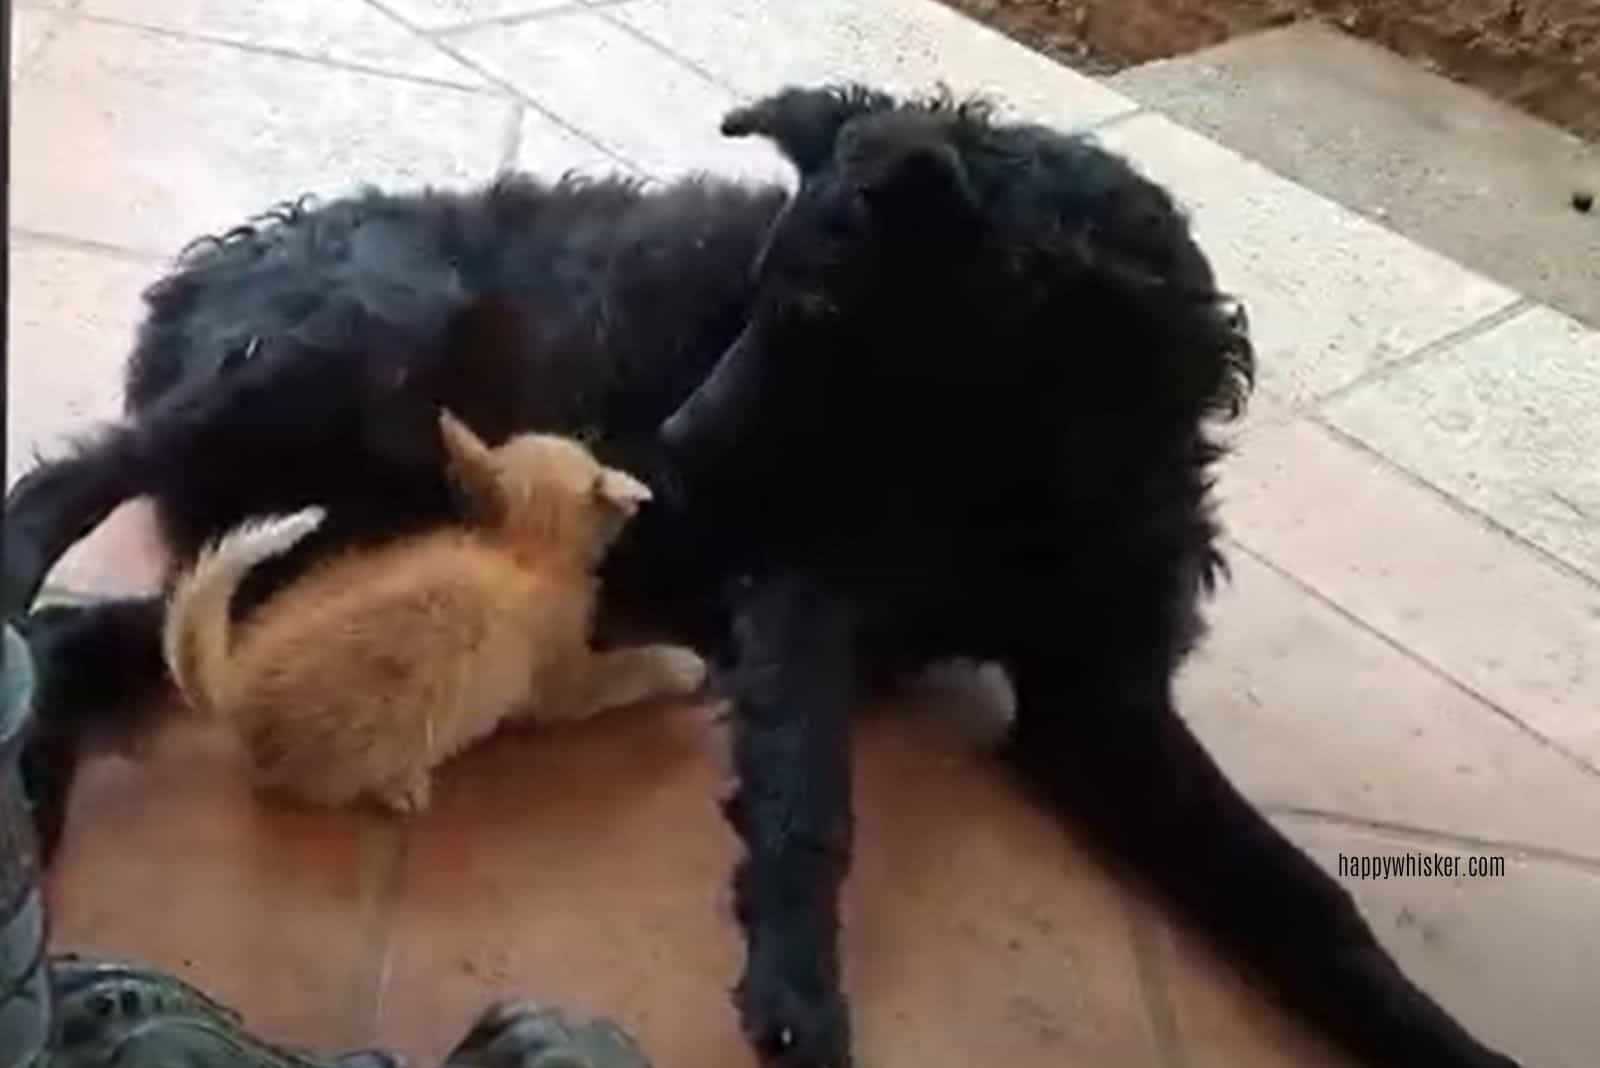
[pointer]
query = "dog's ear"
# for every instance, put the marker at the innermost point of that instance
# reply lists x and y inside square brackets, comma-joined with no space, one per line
[620,490]
[472,468]
[922,193]
[803,123]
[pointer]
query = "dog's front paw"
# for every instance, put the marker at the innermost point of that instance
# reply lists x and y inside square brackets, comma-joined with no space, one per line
[790,1029]
[519,1035]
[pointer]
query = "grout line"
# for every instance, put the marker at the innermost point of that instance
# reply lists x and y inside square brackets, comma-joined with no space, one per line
[509,88]
[277,52]
[1154,986]
[1590,865]
[499,22]
[605,15]
[1116,118]
[517,18]
[1415,657]
[1314,411]
[84,244]
[1449,340]
[383,848]
[1461,507]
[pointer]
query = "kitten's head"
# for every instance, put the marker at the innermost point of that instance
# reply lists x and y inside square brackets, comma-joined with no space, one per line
[544,492]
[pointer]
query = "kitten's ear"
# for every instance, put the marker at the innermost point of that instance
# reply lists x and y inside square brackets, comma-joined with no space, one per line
[471,467]
[620,490]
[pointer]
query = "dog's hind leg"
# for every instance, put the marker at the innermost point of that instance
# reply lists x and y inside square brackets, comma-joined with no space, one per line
[98,668]
[793,684]
[56,504]
[1098,736]
[60,501]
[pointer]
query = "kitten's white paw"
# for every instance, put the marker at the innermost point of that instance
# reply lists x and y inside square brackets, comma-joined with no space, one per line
[411,798]
[682,670]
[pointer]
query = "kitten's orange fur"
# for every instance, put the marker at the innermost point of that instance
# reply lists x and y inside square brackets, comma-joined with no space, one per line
[369,671]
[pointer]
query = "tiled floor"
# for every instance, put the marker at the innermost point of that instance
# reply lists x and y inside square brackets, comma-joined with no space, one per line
[1408,657]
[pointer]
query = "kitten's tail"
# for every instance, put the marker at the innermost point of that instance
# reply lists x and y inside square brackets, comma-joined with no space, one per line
[197,640]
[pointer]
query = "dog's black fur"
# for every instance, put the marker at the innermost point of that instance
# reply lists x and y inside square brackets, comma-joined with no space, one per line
[952,400]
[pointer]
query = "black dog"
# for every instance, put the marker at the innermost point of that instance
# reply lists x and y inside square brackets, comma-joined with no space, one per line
[960,408]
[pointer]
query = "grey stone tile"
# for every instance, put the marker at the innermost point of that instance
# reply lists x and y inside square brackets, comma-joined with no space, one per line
[443,14]
[1508,422]
[347,31]
[1331,295]
[134,139]
[649,108]
[1306,709]
[759,46]
[1509,625]
[547,150]
[1437,160]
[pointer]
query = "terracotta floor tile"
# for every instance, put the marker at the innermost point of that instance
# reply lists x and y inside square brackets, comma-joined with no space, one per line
[1464,598]
[171,859]
[594,74]
[583,866]
[1513,958]
[72,319]
[590,867]
[1216,1018]
[1308,709]
[193,138]
[343,31]
[981,933]
[1505,422]
[124,556]
[32,28]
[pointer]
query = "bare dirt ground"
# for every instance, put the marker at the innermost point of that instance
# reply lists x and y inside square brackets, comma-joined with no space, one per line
[1540,55]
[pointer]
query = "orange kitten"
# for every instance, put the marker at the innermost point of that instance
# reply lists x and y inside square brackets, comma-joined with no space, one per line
[378,665]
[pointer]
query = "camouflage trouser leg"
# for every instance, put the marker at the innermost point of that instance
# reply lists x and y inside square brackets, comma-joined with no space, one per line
[135,1018]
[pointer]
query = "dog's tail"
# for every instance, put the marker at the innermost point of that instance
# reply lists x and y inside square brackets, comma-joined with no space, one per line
[197,640]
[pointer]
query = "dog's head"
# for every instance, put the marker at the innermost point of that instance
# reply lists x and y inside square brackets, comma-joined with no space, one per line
[937,266]
[545,493]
